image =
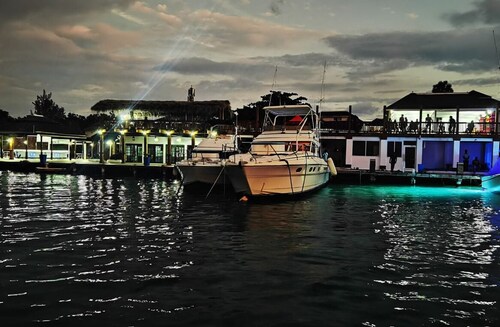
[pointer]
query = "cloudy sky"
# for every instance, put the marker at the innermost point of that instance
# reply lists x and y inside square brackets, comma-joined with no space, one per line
[376,52]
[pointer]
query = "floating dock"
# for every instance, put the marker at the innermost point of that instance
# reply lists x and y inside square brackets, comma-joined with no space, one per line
[359,176]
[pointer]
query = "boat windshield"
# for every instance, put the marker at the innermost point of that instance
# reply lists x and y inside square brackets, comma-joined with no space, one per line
[290,117]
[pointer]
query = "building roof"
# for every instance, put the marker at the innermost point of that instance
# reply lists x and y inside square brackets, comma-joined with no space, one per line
[462,100]
[32,124]
[212,107]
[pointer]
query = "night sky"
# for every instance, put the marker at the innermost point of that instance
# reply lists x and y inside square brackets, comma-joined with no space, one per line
[376,51]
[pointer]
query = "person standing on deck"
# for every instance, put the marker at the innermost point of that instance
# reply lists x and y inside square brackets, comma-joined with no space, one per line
[402,123]
[428,123]
[451,127]
[392,160]
[475,165]
[466,157]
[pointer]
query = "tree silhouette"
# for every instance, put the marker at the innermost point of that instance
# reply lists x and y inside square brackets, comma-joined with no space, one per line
[442,87]
[276,98]
[252,114]
[5,116]
[45,106]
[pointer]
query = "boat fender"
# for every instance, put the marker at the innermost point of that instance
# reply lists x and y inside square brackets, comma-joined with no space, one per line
[331,165]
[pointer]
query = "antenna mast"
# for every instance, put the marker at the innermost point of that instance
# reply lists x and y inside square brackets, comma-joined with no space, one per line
[321,99]
[274,84]
[496,48]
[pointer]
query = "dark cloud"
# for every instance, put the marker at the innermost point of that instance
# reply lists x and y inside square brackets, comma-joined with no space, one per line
[461,51]
[479,81]
[362,109]
[47,11]
[201,66]
[275,7]
[485,11]
[307,60]
[256,69]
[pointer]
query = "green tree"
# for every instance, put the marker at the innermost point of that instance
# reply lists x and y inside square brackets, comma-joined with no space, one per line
[442,87]
[45,106]
[253,114]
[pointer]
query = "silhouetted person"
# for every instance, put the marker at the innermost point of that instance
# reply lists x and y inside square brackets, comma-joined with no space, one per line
[441,127]
[428,123]
[475,164]
[402,123]
[395,125]
[392,160]
[451,126]
[465,157]
[470,127]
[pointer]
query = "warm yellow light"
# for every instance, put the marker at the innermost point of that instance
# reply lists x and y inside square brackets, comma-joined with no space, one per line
[193,133]
[169,133]
[25,142]
[145,132]
[109,142]
[213,134]
[101,131]
[124,117]
[123,131]
[10,140]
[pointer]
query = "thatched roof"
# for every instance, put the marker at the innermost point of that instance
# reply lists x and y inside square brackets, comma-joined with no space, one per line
[208,108]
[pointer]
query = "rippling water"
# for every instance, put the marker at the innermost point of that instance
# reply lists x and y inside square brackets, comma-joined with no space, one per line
[82,251]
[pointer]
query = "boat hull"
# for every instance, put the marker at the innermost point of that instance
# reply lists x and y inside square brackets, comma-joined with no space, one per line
[202,173]
[491,183]
[278,178]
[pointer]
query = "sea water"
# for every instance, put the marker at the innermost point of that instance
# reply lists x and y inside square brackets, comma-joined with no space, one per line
[81,251]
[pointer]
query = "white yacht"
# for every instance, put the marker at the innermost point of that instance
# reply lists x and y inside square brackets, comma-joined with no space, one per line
[206,165]
[285,158]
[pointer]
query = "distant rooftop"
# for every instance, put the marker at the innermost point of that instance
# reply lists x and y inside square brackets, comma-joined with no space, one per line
[463,100]
[212,107]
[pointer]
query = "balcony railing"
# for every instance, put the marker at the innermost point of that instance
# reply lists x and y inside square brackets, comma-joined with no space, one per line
[434,128]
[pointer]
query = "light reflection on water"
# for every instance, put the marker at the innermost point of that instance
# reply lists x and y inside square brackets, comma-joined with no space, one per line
[79,250]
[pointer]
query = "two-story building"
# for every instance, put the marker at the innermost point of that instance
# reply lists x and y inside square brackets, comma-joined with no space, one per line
[426,131]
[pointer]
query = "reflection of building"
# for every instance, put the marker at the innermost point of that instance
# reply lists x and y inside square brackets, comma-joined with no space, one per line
[28,137]
[434,143]
[161,131]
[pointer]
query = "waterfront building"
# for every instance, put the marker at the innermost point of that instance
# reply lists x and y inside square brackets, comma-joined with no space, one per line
[426,131]
[161,132]
[29,137]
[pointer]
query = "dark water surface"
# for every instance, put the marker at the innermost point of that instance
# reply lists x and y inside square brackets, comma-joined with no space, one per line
[79,251]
